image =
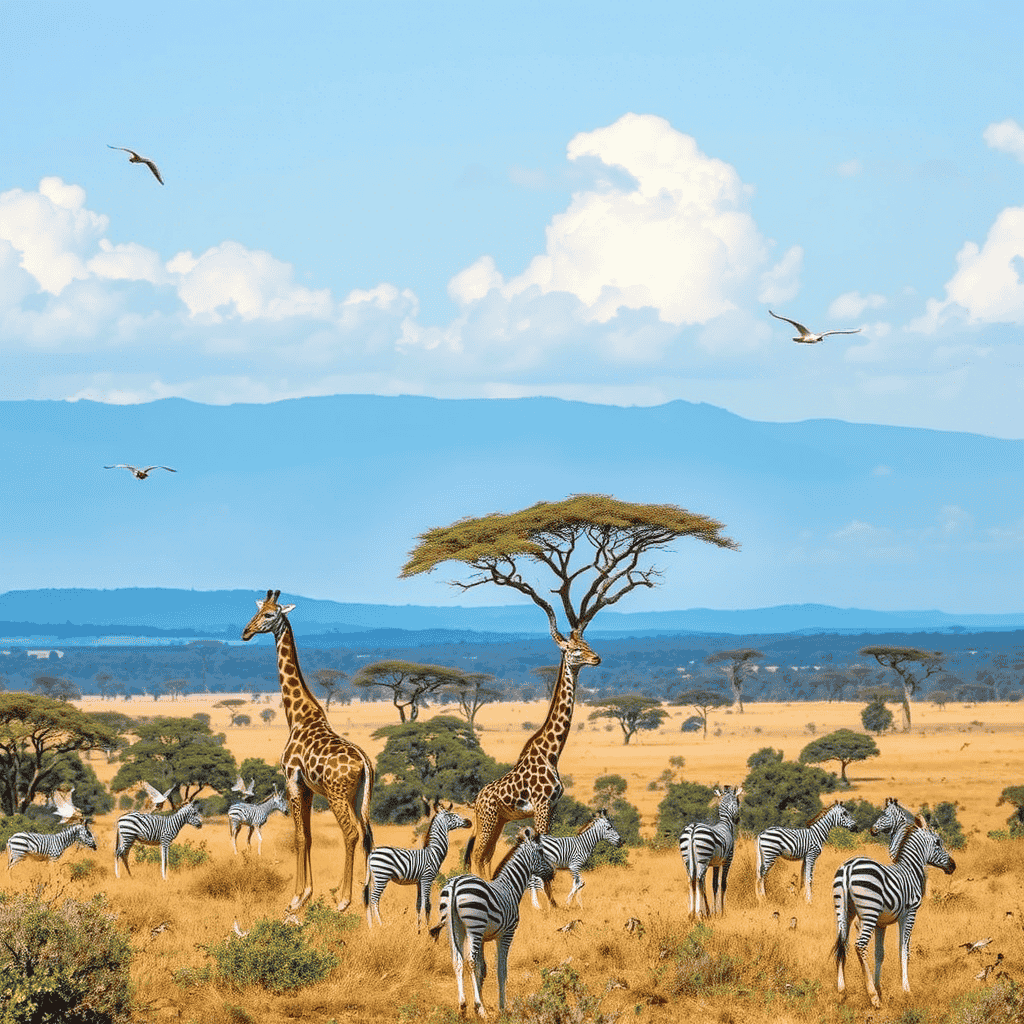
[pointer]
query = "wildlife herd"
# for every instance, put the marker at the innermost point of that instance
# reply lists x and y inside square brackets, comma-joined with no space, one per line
[483,905]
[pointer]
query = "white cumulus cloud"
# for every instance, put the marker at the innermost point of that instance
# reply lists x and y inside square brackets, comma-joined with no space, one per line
[1006,136]
[850,305]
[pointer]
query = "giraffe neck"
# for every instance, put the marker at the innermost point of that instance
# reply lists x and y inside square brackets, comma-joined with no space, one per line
[550,738]
[299,703]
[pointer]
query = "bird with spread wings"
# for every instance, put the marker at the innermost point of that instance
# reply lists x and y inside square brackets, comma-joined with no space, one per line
[140,474]
[134,158]
[809,337]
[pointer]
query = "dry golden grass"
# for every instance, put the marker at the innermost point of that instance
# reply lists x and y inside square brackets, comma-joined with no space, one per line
[748,969]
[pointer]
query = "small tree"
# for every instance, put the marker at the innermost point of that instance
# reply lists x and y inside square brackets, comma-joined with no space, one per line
[409,682]
[737,667]
[330,681]
[119,725]
[633,712]
[844,746]
[607,788]
[703,700]
[783,793]
[548,675]
[56,688]
[832,682]
[175,688]
[106,684]
[765,756]
[268,715]
[241,720]
[940,698]
[232,704]
[902,661]
[472,693]
[1014,795]
[876,717]
[945,821]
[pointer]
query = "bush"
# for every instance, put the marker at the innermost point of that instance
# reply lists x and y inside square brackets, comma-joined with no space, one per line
[274,955]
[876,717]
[222,879]
[563,998]
[684,802]
[62,963]
[944,821]
[783,793]
[766,755]
[179,855]
[692,724]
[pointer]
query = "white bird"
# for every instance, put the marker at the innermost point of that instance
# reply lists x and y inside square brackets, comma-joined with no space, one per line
[238,931]
[134,158]
[162,927]
[973,947]
[240,787]
[140,474]
[66,810]
[809,337]
[155,795]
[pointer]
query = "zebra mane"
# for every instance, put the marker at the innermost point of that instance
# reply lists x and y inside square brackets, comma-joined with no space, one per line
[593,821]
[908,832]
[821,814]
[508,856]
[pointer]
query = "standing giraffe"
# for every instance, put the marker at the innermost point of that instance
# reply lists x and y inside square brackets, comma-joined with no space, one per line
[315,759]
[531,788]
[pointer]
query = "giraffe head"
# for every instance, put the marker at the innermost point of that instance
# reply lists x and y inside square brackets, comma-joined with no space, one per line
[576,650]
[269,615]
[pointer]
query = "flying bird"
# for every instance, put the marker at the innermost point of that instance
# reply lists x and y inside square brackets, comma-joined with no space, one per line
[809,337]
[140,474]
[972,947]
[66,810]
[134,158]
[240,787]
[155,795]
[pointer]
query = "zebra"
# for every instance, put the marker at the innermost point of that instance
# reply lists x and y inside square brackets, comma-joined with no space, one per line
[411,867]
[571,853]
[704,846]
[890,820]
[476,911]
[48,846]
[151,830]
[802,844]
[884,894]
[255,816]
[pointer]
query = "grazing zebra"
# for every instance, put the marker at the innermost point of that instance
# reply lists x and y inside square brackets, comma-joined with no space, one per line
[255,816]
[151,830]
[411,867]
[704,846]
[884,894]
[802,844]
[571,853]
[39,846]
[483,911]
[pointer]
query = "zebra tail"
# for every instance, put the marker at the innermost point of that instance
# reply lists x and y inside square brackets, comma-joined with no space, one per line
[366,893]
[839,949]
[468,855]
[436,930]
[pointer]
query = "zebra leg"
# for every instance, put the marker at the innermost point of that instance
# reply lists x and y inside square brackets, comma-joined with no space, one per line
[808,873]
[479,967]
[725,883]
[163,860]
[548,893]
[233,831]
[426,883]
[906,927]
[504,944]
[842,933]
[577,885]
[535,884]
[457,935]
[121,848]
[700,893]
[868,925]
[879,957]
[259,841]
[763,866]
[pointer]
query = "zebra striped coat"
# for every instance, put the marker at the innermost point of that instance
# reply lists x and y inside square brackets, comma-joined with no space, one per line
[410,867]
[255,817]
[802,844]
[702,846]
[38,846]
[151,830]
[479,911]
[884,894]
[571,853]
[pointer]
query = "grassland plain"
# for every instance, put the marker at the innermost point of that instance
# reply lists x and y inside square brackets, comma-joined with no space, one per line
[745,968]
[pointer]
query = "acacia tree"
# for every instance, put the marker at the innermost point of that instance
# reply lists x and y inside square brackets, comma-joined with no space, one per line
[409,682]
[329,680]
[56,688]
[633,712]
[901,660]
[35,732]
[472,692]
[702,700]
[548,675]
[832,682]
[844,746]
[736,666]
[591,542]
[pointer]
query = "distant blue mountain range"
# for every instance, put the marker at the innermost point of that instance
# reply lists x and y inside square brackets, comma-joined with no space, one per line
[167,612]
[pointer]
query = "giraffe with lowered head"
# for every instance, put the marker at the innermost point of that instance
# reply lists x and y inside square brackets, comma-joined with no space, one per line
[315,759]
[533,785]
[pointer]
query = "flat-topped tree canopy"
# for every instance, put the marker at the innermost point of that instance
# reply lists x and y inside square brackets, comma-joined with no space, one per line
[592,542]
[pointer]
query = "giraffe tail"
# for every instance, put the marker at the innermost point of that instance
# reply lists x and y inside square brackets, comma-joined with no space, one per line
[363,798]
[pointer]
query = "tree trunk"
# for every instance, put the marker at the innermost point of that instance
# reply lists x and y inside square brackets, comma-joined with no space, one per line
[906,708]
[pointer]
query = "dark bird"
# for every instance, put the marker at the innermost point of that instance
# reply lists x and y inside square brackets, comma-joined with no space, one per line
[809,337]
[134,158]
[140,474]
[966,745]
[973,947]
[571,926]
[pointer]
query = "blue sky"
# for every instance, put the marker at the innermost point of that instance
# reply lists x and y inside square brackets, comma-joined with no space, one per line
[596,201]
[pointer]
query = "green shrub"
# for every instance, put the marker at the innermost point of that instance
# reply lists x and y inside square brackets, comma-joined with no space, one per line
[944,821]
[684,802]
[179,855]
[82,869]
[62,963]
[274,956]
[1003,1003]
[563,998]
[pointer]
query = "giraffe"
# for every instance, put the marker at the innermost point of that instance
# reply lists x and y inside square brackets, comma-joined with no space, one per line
[532,786]
[315,758]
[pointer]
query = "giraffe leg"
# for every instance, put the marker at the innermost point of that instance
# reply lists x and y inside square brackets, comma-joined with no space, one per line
[300,797]
[343,805]
[489,824]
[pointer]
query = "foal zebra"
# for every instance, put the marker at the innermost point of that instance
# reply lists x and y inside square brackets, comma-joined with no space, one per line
[571,853]
[255,817]
[884,894]
[704,846]
[802,844]
[151,830]
[481,911]
[411,867]
[39,846]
